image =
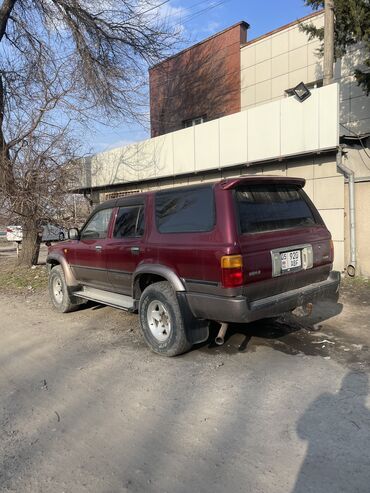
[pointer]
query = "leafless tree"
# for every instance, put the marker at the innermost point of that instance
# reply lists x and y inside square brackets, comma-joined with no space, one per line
[64,64]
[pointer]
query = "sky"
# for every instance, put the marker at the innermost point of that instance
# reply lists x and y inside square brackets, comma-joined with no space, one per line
[198,20]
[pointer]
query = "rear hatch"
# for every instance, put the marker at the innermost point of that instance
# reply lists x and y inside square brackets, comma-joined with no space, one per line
[284,242]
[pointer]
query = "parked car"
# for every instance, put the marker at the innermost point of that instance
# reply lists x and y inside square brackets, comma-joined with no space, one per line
[14,233]
[50,232]
[238,250]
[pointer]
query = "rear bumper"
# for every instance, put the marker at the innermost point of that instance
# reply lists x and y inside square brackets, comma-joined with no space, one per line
[240,310]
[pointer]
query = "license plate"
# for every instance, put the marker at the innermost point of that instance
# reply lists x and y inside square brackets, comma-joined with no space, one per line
[290,260]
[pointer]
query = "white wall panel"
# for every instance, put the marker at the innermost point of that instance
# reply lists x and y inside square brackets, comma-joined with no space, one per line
[164,155]
[146,159]
[128,163]
[329,193]
[233,139]
[328,106]
[299,129]
[268,131]
[338,263]
[264,131]
[263,50]
[207,146]
[334,220]
[248,56]
[183,151]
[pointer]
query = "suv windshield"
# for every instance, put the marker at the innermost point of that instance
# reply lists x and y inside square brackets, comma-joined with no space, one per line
[271,207]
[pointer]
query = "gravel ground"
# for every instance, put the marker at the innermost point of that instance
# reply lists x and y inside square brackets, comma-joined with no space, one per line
[85,406]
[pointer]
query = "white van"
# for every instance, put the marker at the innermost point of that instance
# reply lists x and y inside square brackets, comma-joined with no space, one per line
[50,232]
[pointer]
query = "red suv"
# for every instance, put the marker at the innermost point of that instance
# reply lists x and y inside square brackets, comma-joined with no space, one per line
[238,250]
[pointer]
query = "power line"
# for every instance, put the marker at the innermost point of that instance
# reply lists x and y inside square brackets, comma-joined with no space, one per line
[200,12]
[148,10]
[187,17]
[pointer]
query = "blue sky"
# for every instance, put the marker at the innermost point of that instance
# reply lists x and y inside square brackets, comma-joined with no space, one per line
[198,20]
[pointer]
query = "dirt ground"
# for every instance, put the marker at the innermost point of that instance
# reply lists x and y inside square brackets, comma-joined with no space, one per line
[85,406]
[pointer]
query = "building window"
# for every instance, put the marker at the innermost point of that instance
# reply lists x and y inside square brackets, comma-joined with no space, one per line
[194,121]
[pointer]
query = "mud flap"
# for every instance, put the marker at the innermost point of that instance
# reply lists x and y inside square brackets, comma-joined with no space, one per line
[197,330]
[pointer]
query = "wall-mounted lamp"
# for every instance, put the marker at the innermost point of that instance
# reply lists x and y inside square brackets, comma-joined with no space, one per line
[301,92]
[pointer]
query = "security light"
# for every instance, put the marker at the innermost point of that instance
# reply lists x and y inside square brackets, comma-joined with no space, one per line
[301,91]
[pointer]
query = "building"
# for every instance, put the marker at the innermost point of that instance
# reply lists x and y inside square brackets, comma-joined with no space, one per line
[199,84]
[225,107]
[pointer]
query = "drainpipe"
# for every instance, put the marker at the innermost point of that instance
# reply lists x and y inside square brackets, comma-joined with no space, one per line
[350,175]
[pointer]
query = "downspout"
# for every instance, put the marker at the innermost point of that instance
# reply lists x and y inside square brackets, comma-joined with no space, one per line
[350,175]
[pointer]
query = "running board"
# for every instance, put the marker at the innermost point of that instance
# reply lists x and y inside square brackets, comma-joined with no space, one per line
[107,298]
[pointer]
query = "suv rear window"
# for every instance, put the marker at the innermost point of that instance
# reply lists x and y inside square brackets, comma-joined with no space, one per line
[271,207]
[185,211]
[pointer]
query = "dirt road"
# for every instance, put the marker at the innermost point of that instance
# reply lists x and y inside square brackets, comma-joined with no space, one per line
[86,407]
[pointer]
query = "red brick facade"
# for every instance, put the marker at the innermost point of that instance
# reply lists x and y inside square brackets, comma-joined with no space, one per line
[201,81]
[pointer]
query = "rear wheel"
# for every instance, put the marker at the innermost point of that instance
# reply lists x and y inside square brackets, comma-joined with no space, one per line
[59,296]
[161,321]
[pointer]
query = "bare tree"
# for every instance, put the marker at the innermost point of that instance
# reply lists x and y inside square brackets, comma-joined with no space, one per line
[64,63]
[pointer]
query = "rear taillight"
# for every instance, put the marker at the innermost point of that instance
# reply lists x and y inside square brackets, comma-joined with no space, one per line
[8,230]
[331,250]
[232,271]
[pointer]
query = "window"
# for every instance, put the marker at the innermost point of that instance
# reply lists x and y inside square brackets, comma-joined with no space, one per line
[97,227]
[194,121]
[129,222]
[185,211]
[270,207]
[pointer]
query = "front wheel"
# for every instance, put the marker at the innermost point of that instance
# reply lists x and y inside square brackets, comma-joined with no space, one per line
[58,291]
[161,321]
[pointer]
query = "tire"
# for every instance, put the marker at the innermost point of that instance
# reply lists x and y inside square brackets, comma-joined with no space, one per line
[161,321]
[61,302]
[61,236]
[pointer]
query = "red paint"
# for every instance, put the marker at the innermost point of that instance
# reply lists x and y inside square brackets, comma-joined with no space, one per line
[197,256]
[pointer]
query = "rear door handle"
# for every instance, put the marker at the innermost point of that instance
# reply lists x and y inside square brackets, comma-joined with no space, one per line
[98,248]
[135,250]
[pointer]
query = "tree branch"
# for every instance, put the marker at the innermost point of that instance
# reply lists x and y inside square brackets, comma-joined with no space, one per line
[5,11]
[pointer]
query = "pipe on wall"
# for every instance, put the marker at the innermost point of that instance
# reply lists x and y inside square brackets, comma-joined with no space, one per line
[350,175]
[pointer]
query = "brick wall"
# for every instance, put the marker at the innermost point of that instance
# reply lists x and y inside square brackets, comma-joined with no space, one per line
[202,81]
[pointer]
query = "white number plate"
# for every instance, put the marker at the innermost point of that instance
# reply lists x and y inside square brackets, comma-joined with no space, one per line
[290,260]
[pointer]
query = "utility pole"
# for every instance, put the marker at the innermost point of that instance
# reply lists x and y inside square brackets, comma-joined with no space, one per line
[328,42]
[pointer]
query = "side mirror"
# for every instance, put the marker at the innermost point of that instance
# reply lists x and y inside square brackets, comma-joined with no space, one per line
[73,234]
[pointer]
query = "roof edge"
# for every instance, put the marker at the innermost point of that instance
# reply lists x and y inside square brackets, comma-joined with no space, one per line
[282,28]
[240,23]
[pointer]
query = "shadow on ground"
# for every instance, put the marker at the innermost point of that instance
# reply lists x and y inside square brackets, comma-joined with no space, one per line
[334,426]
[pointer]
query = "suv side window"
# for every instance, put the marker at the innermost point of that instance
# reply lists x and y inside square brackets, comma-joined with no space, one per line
[129,222]
[97,227]
[185,211]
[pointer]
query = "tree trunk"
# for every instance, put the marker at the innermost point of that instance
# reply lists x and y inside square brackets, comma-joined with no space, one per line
[29,254]
[329,42]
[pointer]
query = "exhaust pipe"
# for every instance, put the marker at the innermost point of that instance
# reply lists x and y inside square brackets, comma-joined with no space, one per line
[220,339]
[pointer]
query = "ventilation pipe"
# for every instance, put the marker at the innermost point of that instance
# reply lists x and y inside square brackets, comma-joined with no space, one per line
[350,175]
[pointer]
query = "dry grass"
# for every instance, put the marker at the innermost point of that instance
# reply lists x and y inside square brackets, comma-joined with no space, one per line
[16,279]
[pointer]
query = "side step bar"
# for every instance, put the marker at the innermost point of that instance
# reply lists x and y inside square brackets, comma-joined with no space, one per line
[107,298]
